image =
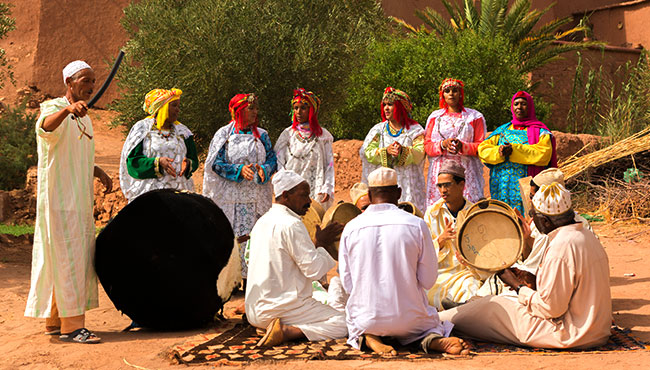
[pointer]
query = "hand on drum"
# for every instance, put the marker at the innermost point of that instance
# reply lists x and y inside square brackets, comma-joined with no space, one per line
[509,278]
[247,172]
[328,235]
[394,149]
[525,224]
[525,277]
[167,165]
[448,235]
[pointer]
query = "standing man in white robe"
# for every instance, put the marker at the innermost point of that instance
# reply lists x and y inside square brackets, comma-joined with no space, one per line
[283,264]
[387,261]
[63,281]
[571,306]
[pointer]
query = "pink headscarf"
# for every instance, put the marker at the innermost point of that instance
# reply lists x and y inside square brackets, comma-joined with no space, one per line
[533,127]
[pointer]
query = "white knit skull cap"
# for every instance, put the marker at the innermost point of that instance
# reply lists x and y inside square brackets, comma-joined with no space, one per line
[285,180]
[74,67]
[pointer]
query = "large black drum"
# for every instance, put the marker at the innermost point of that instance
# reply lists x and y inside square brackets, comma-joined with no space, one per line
[159,258]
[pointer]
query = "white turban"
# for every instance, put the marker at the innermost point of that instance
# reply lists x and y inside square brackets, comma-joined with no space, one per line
[74,67]
[552,200]
[285,180]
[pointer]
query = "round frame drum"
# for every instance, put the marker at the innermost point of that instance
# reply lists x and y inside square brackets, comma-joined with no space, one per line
[491,204]
[490,239]
[312,218]
[342,213]
[410,208]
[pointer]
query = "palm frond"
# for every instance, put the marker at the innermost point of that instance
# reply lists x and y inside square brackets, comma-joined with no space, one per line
[407,26]
[515,15]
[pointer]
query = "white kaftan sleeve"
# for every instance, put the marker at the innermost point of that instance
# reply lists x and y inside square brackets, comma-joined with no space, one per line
[328,181]
[313,262]
[281,147]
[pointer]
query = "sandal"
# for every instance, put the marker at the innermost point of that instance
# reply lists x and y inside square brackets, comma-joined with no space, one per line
[52,330]
[82,335]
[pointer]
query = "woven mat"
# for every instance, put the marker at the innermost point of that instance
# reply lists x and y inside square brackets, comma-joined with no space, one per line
[237,346]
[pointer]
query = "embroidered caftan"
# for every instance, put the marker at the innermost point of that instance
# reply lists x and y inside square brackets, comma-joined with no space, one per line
[283,264]
[506,172]
[456,282]
[467,126]
[387,261]
[571,307]
[409,165]
[143,147]
[64,233]
[309,156]
[241,200]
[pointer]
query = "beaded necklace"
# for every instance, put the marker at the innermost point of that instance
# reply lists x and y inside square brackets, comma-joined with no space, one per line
[390,131]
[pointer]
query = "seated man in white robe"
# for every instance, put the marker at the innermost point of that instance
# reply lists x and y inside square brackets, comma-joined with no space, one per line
[571,306]
[283,264]
[386,261]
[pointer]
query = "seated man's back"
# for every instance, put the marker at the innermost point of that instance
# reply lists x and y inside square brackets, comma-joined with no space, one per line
[386,261]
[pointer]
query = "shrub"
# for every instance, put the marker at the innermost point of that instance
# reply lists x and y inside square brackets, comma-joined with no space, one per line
[213,49]
[418,63]
[601,106]
[18,149]
[7,24]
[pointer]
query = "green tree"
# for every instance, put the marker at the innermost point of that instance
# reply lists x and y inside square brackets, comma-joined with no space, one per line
[418,63]
[213,49]
[18,149]
[517,24]
[7,24]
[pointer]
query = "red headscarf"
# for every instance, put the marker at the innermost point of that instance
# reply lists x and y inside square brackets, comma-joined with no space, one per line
[450,82]
[301,95]
[533,127]
[236,107]
[402,104]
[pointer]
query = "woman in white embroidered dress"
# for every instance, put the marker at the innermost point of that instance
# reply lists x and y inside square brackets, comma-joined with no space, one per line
[398,143]
[238,168]
[454,132]
[159,152]
[306,148]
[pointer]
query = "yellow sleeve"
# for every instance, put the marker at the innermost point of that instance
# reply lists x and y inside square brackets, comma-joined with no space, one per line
[412,154]
[488,151]
[533,155]
[376,155]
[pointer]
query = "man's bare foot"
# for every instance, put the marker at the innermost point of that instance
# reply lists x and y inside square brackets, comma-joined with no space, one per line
[377,346]
[451,345]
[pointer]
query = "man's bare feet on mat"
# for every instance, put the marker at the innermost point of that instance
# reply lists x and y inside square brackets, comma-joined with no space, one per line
[377,346]
[451,345]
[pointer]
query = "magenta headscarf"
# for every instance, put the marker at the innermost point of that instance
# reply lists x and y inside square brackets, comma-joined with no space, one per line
[533,127]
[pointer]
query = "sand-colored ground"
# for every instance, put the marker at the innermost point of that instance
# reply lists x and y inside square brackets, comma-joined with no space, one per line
[22,344]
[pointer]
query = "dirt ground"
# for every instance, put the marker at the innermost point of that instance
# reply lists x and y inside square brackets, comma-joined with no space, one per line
[23,345]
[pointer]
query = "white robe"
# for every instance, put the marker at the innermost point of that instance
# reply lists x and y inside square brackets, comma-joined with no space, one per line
[283,264]
[154,145]
[387,261]
[64,234]
[310,158]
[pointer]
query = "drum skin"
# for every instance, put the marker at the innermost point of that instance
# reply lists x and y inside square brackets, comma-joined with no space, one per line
[410,208]
[490,239]
[159,258]
[312,218]
[342,213]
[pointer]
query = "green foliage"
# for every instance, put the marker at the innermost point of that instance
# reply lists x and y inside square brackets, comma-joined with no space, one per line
[16,230]
[7,24]
[516,23]
[18,149]
[418,63]
[214,49]
[601,106]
